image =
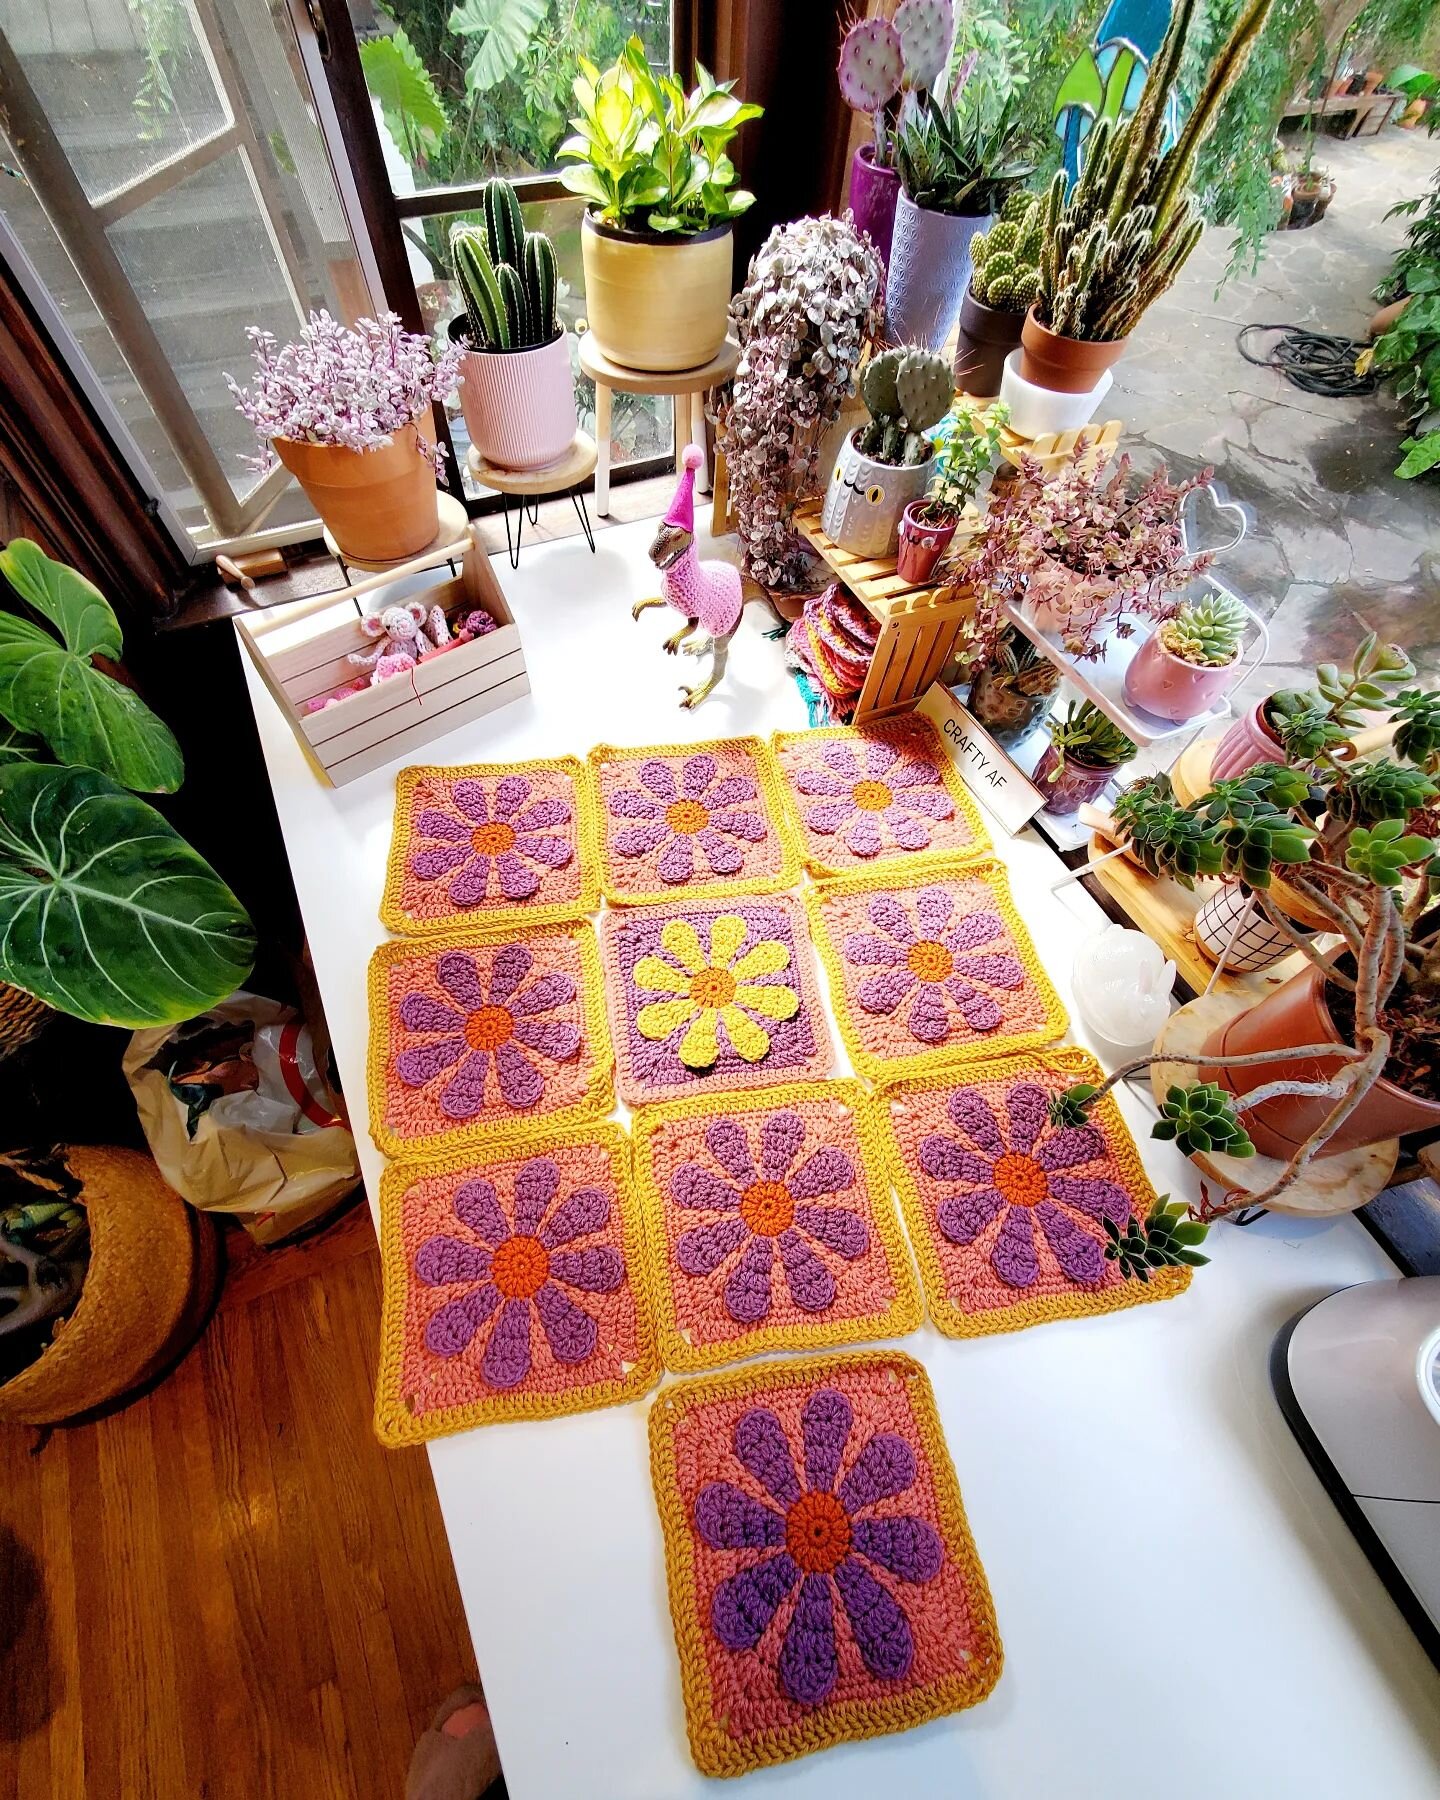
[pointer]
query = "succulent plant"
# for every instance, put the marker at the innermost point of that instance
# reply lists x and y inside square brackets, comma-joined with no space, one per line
[508,275]
[1070,1107]
[1206,632]
[1165,837]
[881,59]
[1202,1117]
[906,392]
[1087,736]
[1365,793]
[1303,724]
[1006,258]
[1251,820]
[1382,854]
[1417,720]
[1164,1239]
[872,63]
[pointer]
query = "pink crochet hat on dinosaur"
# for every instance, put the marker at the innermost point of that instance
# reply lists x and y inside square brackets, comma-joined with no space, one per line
[682,507]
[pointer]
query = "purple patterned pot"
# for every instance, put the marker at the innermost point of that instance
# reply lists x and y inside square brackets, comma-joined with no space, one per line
[1248,743]
[1170,687]
[874,190]
[929,272]
[1074,783]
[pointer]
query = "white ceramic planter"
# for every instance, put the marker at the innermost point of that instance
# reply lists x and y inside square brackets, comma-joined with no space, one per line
[1257,943]
[865,499]
[519,405]
[1036,410]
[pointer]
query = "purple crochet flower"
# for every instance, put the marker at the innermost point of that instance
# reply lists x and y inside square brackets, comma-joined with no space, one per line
[697,809]
[495,831]
[820,1540]
[889,796]
[932,959]
[1014,1176]
[514,1270]
[767,1204]
[488,1027]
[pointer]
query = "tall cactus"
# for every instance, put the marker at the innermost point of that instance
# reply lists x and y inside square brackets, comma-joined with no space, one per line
[504,226]
[509,277]
[484,302]
[542,283]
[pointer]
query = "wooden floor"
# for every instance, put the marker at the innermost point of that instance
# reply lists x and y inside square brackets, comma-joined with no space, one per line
[229,1588]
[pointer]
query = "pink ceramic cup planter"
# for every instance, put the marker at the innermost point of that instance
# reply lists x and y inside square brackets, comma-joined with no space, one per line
[1172,688]
[519,405]
[922,544]
[1248,743]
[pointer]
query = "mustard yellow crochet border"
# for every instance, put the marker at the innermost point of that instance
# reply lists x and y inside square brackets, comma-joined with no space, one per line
[1056,1023]
[395,1424]
[600,1088]
[493,919]
[903,1314]
[714,1751]
[801,836]
[947,1317]
[723,887]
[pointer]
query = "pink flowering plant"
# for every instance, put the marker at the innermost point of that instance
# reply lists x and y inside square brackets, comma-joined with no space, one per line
[1087,544]
[354,387]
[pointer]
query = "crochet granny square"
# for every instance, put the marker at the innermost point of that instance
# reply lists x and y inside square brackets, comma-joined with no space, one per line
[712,996]
[491,844]
[1006,1209]
[690,821]
[928,966]
[858,795]
[770,1224]
[508,1033]
[514,1287]
[822,1578]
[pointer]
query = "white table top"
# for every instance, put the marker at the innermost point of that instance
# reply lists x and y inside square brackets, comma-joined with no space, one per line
[1182,1609]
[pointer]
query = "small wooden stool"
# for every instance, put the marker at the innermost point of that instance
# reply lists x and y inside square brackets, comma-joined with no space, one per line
[454,530]
[530,486]
[687,389]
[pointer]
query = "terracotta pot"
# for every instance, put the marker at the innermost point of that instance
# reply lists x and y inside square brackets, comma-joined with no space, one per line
[1381,321]
[1067,783]
[1297,1013]
[519,405]
[865,499]
[379,504]
[1170,687]
[657,303]
[929,272]
[874,191]
[987,336]
[1068,365]
[1248,743]
[921,544]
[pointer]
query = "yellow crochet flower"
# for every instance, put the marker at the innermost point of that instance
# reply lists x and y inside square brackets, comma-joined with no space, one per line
[714,988]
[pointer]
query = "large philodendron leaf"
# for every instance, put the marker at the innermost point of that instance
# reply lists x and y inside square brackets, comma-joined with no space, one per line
[501,30]
[52,690]
[105,911]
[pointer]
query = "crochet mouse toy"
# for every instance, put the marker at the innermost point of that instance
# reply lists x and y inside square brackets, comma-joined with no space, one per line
[407,635]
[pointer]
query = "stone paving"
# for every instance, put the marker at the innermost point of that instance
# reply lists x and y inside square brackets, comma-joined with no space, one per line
[1336,542]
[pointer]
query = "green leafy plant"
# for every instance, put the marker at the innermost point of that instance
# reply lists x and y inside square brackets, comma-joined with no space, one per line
[1206,632]
[1409,352]
[508,275]
[1202,1117]
[1312,723]
[1086,736]
[906,392]
[966,446]
[410,103]
[649,155]
[1165,1238]
[1252,821]
[105,911]
[1383,853]
[1417,738]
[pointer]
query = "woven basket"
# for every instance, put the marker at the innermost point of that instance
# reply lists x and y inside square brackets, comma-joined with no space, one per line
[137,1286]
[22,1017]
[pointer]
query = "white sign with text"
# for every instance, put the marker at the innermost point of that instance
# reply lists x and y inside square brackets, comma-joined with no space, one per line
[1007,795]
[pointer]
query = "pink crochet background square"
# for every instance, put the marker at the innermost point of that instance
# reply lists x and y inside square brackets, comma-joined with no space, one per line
[866,794]
[690,822]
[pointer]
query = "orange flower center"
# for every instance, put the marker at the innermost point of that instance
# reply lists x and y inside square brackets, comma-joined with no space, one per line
[489,1028]
[929,960]
[686,817]
[519,1267]
[871,796]
[492,839]
[766,1207]
[713,987]
[817,1533]
[1020,1179]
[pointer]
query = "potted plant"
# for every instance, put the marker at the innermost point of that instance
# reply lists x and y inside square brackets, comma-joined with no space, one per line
[882,61]
[1013,688]
[1084,751]
[111,917]
[1407,332]
[884,465]
[348,412]
[965,451]
[1116,240]
[1311,191]
[1190,659]
[516,387]
[656,239]
[1004,285]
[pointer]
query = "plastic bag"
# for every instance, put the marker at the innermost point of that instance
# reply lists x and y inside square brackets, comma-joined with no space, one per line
[240,1116]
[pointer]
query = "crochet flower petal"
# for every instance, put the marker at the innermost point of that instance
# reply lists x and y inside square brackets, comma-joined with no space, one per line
[836,1228]
[679,939]
[868,951]
[513,962]
[933,907]
[932,803]
[915,773]
[964,1216]
[511,793]
[584,1211]
[629,804]
[636,840]
[943,1159]
[908,833]
[551,852]
[453,1327]
[723,856]
[433,823]
[811,1284]
[734,790]
[1077,1253]
[972,1113]
[883,993]
[659,777]
[521,1083]
[465,1094]
[507,1355]
[569,1330]
[975,930]
[728,1519]
[825,1430]
[701,1252]
[554,988]
[472,884]
[768,957]
[727,1143]
[978,1010]
[748,1039]
[1088,1194]
[727,934]
[863,835]
[1070,1145]
[518,879]
[993,969]
[929,1018]
[747,1292]
[880,758]
[418,1012]
[1013,1256]
[697,774]
[828,817]
[694,1187]
[469,796]
[661,1017]
[543,815]
[744,1604]
[477,1205]
[457,974]
[677,860]
[430,865]
[884,1467]
[828,1171]
[1027,1107]
[842,759]
[740,824]
[536,1186]
[772,1001]
[781,1136]
[764,1449]
[441,1260]
[559,1039]
[890,916]
[881,1630]
[820,781]
[425,1061]
[701,1043]
[808,1664]
[905,1546]
[653,975]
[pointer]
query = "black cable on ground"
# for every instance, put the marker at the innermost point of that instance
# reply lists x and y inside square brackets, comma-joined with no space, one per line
[1317,362]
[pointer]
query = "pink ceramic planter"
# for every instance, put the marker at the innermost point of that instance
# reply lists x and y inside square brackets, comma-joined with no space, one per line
[519,405]
[921,546]
[1248,743]
[1172,688]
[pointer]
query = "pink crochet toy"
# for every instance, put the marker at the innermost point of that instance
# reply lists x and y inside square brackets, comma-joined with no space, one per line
[706,594]
[407,633]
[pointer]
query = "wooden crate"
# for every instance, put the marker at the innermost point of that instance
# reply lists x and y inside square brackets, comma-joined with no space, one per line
[300,651]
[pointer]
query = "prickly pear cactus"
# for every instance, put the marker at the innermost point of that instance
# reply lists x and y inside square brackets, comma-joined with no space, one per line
[877,385]
[925,29]
[872,63]
[923,385]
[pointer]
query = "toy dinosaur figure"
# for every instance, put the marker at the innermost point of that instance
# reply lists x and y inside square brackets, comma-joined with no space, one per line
[708,595]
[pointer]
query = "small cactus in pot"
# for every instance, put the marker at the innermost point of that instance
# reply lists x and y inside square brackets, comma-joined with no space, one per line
[1190,660]
[1004,283]
[886,464]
